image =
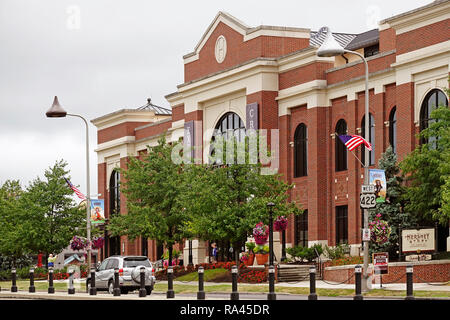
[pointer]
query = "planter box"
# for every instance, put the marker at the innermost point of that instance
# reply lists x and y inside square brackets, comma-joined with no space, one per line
[262,259]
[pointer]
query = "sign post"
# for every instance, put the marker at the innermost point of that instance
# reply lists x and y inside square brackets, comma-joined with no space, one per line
[380,264]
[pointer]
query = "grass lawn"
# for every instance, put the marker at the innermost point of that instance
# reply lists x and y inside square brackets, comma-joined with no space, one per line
[23,285]
[226,288]
[208,275]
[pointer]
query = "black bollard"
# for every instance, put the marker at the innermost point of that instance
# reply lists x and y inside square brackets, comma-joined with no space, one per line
[234,280]
[32,288]
[142,291]
[271,295]
[201,291]
[51,289]
[116,290]
[170,293]
[14,279]
[409,283]
[71,289]
[312,284]
[358,272]
[92,289]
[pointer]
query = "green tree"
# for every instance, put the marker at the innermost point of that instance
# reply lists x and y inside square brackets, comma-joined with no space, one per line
[225,202]
[48,213]
[392,210]
[427,170]
[11,224]
[153,186]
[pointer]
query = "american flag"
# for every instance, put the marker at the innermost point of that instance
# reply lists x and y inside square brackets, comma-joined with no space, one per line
[352,141]
[75,189]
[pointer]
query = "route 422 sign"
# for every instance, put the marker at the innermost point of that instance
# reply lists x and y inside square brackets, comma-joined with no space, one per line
[367,200]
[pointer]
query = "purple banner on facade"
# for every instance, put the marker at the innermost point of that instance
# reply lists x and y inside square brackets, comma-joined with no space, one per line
[252,116]
[189,138]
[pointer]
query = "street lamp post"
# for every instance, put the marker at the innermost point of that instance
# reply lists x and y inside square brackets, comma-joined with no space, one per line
[271,295]
[330,48]
[56,111]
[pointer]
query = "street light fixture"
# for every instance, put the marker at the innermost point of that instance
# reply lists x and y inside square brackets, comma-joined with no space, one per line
[271,295]
[330,48]
[56,111]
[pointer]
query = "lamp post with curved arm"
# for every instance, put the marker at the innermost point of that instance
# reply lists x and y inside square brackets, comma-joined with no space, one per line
[330,48]
[56,111]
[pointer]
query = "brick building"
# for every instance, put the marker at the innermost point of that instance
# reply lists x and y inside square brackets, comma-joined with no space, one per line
[235,67]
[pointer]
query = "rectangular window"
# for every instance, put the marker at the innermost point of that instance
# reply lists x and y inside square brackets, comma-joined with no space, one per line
[371,50]
[341,224]
[301,229]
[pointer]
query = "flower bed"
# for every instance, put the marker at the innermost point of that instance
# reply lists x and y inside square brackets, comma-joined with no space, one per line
[252,276]
[344,261]
[246,275]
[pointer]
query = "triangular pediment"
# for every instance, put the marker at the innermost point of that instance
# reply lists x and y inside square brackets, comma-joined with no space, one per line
[246,31]
[225,18]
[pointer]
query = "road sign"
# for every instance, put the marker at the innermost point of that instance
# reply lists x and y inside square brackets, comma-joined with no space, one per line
[367,200]
[368,188]
[366,234]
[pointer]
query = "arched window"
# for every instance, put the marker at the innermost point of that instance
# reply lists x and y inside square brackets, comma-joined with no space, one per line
[393,129]
[371,139]
[114,193]
[229,125]
[301,151]
[432,100]
[340,148]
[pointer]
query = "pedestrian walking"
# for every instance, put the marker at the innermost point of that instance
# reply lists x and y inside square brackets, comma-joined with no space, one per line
[51,260]
[214,251]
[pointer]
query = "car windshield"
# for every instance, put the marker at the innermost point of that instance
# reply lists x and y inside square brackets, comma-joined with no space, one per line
[134,262]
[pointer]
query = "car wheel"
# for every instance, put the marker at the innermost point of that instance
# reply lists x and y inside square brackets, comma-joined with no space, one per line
[111,286]
[149,289]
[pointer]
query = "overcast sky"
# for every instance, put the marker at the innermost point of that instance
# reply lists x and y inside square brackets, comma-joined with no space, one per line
[99,56]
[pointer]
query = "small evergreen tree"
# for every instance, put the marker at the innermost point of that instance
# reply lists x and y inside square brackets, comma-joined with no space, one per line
[392,210]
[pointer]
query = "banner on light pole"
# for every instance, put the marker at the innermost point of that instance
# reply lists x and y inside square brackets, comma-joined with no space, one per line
[377,177]
[97,211]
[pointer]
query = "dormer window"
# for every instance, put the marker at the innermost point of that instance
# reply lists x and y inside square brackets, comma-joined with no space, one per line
[371,50]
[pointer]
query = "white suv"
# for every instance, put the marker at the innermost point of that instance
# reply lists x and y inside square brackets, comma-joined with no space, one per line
[129,274]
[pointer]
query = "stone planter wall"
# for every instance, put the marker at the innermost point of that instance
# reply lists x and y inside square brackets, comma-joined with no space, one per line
[423,272]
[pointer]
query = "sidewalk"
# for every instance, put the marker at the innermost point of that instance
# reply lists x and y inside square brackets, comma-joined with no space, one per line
[319,284]
[331,285]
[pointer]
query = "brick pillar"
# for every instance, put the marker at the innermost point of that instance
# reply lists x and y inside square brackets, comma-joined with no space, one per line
[101,185]
[378,106]
[354,177]
[286,166]
[318,180]
[405,119]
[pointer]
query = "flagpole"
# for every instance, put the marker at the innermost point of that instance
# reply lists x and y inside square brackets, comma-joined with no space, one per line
[357,158]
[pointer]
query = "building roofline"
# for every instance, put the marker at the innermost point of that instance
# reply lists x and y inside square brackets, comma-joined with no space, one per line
[413,11]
